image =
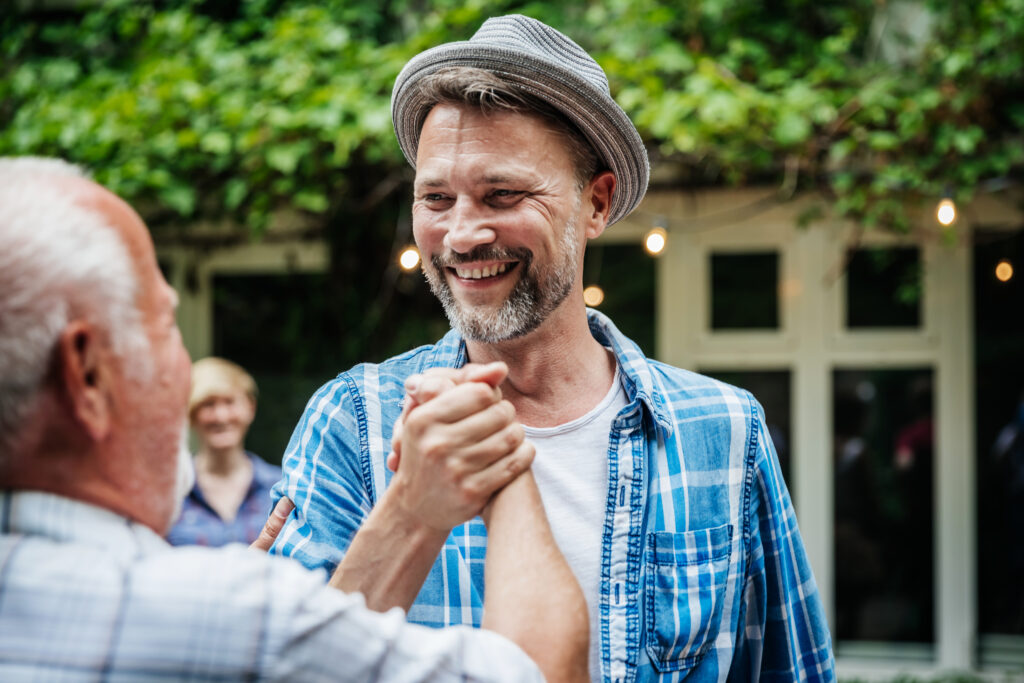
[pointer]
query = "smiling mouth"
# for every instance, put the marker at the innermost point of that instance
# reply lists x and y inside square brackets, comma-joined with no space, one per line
[483,273]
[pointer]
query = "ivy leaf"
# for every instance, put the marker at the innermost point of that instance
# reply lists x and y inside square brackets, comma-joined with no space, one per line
[181,198]
[216,142]
[315,202]
[285,158]
[791,129]
[234,193]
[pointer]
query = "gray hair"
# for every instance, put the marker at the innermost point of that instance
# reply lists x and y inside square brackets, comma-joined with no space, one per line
[58,260]
[488,92]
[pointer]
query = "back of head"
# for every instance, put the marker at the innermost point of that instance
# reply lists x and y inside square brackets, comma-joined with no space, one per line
[59,260]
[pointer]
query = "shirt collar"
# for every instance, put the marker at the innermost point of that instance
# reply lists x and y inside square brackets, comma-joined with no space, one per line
[638,379]
[64,520]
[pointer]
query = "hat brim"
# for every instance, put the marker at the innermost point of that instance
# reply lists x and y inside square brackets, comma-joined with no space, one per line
[593,111]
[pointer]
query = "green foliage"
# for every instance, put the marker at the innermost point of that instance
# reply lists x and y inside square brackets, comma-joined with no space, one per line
[234,109]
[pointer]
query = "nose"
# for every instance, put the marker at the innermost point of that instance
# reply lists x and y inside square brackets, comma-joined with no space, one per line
[467,228]
[222,411]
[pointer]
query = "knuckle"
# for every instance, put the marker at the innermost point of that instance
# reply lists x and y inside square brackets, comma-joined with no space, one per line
[527,453]
[513,436]
[433,448]
[415,424]
[479,392]
[472,491]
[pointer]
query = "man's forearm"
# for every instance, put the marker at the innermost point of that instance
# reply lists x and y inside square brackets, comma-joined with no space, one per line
[389,558]
[532,596]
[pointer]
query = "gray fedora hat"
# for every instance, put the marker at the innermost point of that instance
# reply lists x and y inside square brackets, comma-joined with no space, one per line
[547,64]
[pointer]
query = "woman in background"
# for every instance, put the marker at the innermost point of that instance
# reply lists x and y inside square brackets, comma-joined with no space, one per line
[231,497]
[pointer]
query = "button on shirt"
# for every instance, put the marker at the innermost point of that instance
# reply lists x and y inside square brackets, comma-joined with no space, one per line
[88,595]
[199,524]
[703,572]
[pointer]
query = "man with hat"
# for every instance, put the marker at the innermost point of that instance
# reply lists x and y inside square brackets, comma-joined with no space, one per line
[662,486]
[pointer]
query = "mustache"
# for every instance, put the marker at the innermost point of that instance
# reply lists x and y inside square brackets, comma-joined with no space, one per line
[450,259]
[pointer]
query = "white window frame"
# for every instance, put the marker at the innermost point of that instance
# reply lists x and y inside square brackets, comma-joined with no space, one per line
[810,342]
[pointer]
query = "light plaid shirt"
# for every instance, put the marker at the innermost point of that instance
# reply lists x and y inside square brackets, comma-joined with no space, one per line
[86,595]
[704,574]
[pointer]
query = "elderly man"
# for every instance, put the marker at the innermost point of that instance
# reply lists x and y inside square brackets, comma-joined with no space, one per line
[662,486]
[93,386]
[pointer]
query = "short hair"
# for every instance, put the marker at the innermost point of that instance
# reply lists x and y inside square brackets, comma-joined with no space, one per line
[58,260]
[488,92]
[214,376]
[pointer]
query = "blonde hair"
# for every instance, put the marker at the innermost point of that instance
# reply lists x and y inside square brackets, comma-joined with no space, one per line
[214,376]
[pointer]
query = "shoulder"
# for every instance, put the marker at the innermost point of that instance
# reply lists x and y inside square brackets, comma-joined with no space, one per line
[263,472]
[689,390]
[384,380]
[234,576]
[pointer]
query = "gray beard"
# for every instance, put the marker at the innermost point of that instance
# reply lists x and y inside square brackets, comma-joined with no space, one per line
[535,296]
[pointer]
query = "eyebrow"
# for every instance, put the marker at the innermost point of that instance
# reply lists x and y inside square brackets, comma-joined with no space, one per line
[497,179]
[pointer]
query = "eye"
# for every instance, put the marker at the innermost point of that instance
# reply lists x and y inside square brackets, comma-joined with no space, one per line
[434,200]
[505,196]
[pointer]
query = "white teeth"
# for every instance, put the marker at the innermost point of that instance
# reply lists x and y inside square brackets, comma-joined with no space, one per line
[477,273]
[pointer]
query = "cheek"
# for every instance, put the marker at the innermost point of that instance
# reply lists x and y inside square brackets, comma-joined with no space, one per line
[427,233]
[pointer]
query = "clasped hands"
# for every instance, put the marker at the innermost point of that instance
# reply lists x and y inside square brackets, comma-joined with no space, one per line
[456,444]
[450,454]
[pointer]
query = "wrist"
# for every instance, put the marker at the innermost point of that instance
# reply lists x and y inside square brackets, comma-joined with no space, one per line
[520,493]
[394,515]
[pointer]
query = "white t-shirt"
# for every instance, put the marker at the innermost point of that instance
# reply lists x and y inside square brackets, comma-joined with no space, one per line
[571,469]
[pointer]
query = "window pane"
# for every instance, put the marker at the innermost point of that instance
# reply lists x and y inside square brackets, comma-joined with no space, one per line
[999,357]
[745,291]
[883,445]
[283,331]
[771,388]
[625,274]
[883,288]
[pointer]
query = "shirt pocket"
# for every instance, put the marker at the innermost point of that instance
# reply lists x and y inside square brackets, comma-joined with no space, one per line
[686,577]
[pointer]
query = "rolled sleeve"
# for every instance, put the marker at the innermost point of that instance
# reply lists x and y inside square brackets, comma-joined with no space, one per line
[784,635]
[323,476]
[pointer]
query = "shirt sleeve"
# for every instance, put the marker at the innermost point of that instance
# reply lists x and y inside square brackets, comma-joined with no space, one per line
[319,633]
[323,476]
[785,636]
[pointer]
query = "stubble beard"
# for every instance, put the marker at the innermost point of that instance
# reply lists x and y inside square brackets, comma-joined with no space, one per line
[537,293]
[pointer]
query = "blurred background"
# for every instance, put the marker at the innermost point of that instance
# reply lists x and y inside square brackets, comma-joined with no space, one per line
[835,222]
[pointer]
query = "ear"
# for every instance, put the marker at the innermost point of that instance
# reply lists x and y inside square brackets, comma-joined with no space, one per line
[601,189]
[85,377]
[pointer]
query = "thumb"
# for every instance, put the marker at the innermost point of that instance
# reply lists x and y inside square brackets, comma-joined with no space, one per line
[491,373]
[274,525]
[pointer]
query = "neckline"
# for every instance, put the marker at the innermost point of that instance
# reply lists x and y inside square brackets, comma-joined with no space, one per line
[582,420]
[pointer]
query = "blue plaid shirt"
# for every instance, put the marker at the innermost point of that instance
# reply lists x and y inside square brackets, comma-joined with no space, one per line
[200,524]
[704,574]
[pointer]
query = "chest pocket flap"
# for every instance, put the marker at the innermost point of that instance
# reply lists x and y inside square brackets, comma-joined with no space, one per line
[686,576]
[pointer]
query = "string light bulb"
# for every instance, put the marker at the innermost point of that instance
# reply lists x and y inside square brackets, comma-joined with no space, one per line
[593,296]
[945,213]
[409,258]
[1004,270]
[655,241]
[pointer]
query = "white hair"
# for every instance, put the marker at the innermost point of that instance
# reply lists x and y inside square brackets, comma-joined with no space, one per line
[59,261]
